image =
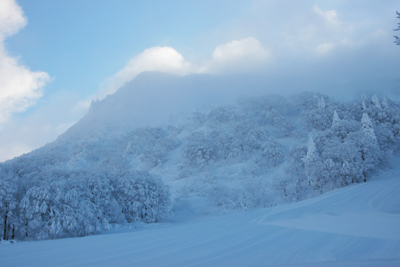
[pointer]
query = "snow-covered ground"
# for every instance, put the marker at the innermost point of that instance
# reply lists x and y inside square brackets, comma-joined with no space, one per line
[354,226]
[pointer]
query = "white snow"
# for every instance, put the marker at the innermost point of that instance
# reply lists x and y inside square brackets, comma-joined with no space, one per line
[354,226]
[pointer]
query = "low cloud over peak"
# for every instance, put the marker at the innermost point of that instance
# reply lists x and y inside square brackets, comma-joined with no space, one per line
[237,56]
[234,56]
[164,59]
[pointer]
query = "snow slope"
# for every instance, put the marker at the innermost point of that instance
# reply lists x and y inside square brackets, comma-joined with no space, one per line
[354,226]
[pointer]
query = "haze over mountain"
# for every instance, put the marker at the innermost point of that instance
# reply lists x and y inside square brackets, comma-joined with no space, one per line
[205,141]
[152,98]
[165,147]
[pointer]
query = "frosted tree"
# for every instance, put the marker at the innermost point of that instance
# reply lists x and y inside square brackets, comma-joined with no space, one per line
[363,98]
[341,162]
[272,150]
[311,150]
[296,161]
[142,197]
[312,163]
[101,194]
[366,126]
[397,41]
[321,103]
[280,122]
[152,157]
[272,115]
[223,115]
[336,120]
[8,204]
[318,116]
[129,149]
[369,147]
[199,150]
[384,103]
[149,145]
[60,208]
[375,101]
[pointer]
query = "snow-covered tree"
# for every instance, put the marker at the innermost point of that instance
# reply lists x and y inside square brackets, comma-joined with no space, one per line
[363,99]
[311,150]
[321,103]
[199,150]
[318,116]
[397,41]
[375,101]
[272,151]
[366,126]
[384,103]
[59,208]
[8,203]
[312,163]
[368,147]
[336,120]
[142,197]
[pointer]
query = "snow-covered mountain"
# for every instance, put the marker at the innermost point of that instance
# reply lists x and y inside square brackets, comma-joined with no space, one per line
[165,145]
[153,97]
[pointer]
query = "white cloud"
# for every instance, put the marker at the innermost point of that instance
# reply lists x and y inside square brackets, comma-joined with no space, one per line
[19,87]
[42,125]
[237,56]
[329,16]
[234,56]
[324,48]
[11,18]
[327,48]
[164,59]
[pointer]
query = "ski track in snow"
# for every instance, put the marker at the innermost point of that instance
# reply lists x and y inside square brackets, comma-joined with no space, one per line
[355,226]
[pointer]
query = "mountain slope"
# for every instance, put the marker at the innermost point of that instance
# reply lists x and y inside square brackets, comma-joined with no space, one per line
[127,160]
[153,97]
[353,226]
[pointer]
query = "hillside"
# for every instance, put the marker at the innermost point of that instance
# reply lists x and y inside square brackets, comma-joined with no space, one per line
[165,145]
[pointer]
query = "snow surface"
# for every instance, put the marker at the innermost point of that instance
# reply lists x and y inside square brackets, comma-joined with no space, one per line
[354,226]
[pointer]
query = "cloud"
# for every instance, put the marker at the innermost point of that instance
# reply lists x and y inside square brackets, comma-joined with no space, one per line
[42,125]
[11,18]
[329,16]
[164,59]
[237,56]
[19,87]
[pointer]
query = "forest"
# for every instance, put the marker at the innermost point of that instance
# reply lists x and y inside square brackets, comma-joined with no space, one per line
[255,153]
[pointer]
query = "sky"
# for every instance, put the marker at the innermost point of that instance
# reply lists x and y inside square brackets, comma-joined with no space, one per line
[58,56]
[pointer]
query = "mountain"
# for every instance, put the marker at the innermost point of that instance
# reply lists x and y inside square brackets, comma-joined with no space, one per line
[164,145]
[152,97]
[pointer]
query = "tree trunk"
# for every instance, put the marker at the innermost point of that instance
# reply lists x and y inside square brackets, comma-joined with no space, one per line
[5,236]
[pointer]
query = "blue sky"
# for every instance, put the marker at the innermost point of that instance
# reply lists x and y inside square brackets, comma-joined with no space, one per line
[70,52]
[71,39]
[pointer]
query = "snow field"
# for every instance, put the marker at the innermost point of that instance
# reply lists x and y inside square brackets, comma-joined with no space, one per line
[354,226]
